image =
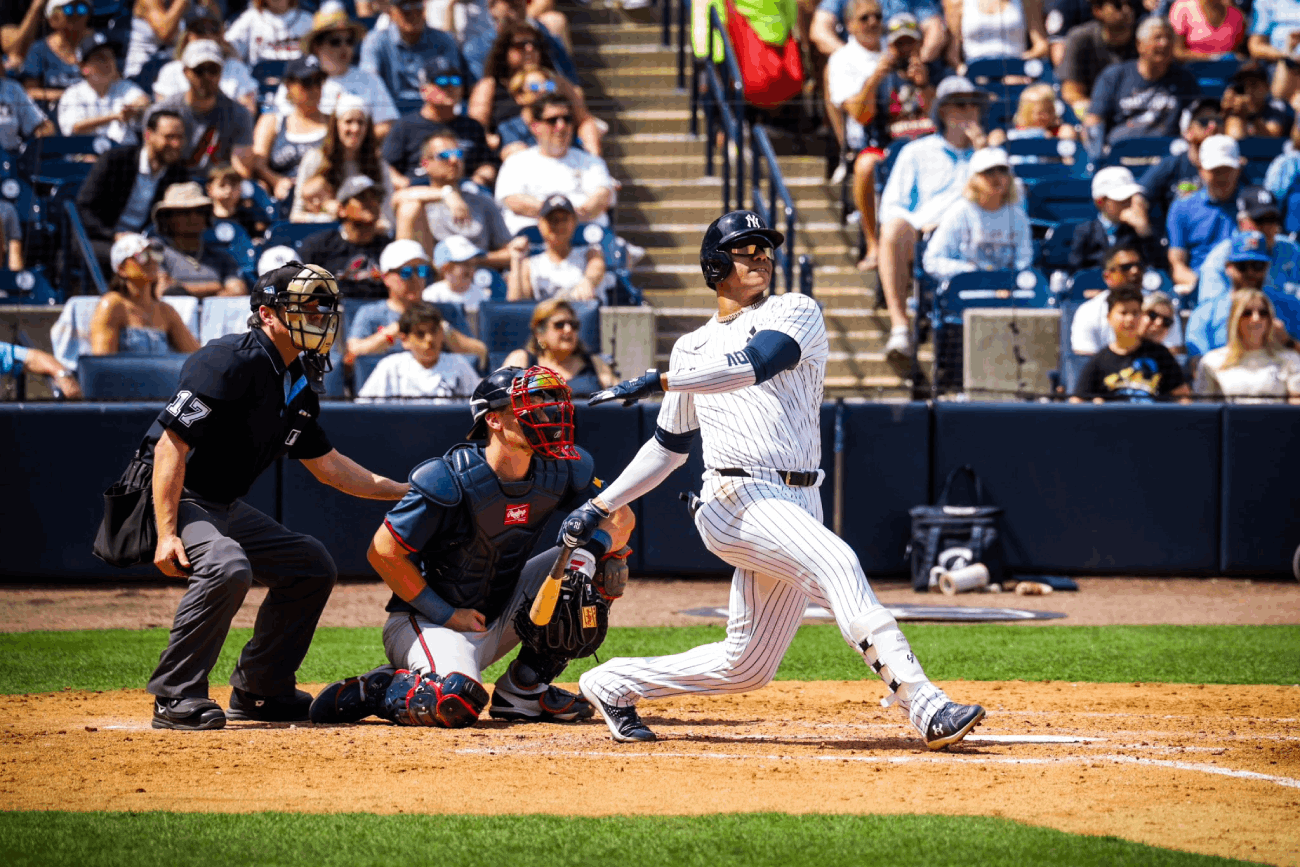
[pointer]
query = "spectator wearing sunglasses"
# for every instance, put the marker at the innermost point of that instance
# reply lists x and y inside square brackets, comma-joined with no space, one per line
[102,103]
[235,81]
[1125,267]
[269,30]
[555,344]
[1130,368]
[442,87]
[1159,317]
[1248,265]
[423,370]
[399,52]
[405,272]
[481,31]
[280,141]
[451,207]
[130,319]
[1254,366]
[51,66]
[217,129]
[155,27]
[1256,212]
[526,87]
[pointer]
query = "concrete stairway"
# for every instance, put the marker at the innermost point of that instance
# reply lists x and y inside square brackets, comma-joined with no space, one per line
[666,200]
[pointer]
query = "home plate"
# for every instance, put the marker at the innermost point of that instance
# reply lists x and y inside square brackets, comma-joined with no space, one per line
[1029,739]
[913,612]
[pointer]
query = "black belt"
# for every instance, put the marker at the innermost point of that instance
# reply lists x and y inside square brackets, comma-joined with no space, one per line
[794,478]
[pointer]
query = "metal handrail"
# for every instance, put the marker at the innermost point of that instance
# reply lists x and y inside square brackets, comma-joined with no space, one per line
[85,250]
[724,107]
[763,153]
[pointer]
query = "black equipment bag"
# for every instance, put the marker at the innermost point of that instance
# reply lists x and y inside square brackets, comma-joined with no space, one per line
[128,534]
[952,536]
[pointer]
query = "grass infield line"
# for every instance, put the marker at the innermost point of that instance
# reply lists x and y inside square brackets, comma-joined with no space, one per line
[32,662]
[742,840]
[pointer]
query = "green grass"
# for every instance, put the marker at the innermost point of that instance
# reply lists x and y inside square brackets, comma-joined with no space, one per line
[115,659]
[746,840]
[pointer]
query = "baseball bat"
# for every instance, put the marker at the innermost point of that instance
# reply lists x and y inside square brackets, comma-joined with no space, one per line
[544,604]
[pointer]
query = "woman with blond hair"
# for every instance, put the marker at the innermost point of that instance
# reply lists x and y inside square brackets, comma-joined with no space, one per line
[1035,117]
[555,344]
[1253,367]
[987,230]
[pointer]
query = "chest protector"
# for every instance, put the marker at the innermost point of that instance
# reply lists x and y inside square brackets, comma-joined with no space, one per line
[481,571]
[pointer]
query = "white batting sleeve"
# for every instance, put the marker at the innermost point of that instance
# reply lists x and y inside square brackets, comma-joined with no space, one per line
[652,464]
[731,372]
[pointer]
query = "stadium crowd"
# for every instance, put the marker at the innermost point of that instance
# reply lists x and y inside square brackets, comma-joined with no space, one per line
[439,154]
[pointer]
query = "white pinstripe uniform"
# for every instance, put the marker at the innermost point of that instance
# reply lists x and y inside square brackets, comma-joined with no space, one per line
[770,531]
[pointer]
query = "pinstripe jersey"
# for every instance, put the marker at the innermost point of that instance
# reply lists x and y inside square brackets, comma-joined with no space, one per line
[775,424]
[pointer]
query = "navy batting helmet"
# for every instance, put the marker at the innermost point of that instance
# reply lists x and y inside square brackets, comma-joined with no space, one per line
[727,231]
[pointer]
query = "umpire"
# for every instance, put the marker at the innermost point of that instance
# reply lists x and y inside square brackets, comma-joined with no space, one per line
[245,400]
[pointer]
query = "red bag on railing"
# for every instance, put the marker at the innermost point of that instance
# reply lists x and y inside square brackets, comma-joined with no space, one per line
[771,75]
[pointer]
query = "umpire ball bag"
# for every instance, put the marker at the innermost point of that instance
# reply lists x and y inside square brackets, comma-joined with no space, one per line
[951,536]
[128,536]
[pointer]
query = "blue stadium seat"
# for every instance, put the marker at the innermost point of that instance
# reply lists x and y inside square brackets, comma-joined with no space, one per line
[1212,75]
[1052,201]
[504,326]
[148,73]
[293,234]
[231,238]
[454,315]
[64,146]
[1135,152]
[269,209]
[1004,99]
[493,281]
[19,193]
[1026,289]
[1054,253]
[1258,154]
[364,365]
[1083,285]
[129,377]
[28,287]
[1051,151]
[886,165]
[995,69]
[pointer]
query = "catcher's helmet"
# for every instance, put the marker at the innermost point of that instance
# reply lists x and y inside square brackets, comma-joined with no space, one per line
[293,289]
[728,231]
[541,402]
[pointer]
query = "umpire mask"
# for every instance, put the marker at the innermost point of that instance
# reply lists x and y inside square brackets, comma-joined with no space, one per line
[308,302]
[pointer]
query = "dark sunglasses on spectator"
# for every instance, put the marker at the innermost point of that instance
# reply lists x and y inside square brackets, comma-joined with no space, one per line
[555,120]
[547,86]
[406,272]
[72,10]
[749,251]
[524,44]
[447,81]
[1255,313]
[451,154]
[1125,266]
[339,41]
[1254,267]
[965,103]
[1162,320]
[151,253]
[562,324]
[207,70]
[204,28]
[410,4]
[871,16]
[1207,119]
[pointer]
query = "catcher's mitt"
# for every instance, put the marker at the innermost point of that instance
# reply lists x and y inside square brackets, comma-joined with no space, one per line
[578,625]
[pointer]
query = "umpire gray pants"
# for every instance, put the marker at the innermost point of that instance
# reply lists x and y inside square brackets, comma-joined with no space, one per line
[230,547]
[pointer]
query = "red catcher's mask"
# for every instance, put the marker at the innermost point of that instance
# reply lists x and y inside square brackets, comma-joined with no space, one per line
[543,405]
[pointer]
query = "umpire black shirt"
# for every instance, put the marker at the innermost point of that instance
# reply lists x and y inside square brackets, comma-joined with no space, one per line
[230,409]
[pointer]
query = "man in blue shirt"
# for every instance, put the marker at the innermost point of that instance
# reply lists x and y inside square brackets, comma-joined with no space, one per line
[1177,176]
[1248,265]
[1203,219]
[15,359]
[398,53]
[1259,214]
[1142,97]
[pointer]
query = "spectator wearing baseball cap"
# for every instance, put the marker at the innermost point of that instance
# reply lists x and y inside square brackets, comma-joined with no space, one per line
[204,25]
[130,318]
[1257,211]
[51,64]
[442,85]
[986,229]
[351,251]
[1199,221]
[928,178]
[398,52]
[1247,268]
[217,129]
[562,269]
[281,141]
[102,102]
[1121,218]
[461,283]
[1178,175]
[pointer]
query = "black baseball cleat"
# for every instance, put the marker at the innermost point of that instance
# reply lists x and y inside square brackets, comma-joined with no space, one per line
[352,699]
[269,708]
[624,722]
[951,723]
[550,705]
[187,714]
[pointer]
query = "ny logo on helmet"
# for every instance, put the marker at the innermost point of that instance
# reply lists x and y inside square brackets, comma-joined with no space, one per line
[752,221]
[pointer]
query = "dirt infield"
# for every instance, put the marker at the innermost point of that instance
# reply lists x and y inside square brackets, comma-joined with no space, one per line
[1208,769]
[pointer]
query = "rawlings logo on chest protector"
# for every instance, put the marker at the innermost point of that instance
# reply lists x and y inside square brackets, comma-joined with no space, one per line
[517,514]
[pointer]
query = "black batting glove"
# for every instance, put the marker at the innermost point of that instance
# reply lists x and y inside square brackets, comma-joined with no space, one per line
[630,390]
[580,526]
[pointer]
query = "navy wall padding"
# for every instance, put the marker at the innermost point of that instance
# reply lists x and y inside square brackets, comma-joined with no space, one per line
[1261,451]
[1094,489]
[63,456]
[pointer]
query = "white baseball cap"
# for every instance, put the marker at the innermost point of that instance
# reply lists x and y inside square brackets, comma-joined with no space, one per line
[202,51]
[127,246]
[275,257]
[398,253]
[1220,151]
[455,248]
[988,158]
[1115,183]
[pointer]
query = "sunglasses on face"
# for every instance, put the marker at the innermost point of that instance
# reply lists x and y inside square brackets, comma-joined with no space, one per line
[565,325]
[406,272]
[205,28]
[1255,313]
[147,255]
[451,154]
[207,70]
[339,42]
[566,119]
[1253,267]
[447,81]
[547,86]
[1125,266]
[964,103]
[749,251]
[72,10]
[1159,319]
[1207,119]
[524,44]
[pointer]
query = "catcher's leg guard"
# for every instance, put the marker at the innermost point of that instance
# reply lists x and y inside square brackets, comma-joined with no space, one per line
[886,650]
[453,702]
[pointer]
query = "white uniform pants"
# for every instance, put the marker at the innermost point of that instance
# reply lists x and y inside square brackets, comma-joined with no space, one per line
[784,556]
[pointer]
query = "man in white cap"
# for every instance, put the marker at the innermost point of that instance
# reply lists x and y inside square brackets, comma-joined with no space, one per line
[1121,217]
[1199,221]
[928,178]
[217,129]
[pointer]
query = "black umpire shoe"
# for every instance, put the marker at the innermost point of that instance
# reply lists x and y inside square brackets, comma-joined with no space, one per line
[951,723]
[352,699]
[624,722]
[269,708]
[187,714]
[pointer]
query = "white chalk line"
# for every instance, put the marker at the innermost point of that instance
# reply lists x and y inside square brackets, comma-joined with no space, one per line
[511,752]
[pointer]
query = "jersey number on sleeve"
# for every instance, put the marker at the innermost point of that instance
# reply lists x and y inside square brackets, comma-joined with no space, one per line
[197,408]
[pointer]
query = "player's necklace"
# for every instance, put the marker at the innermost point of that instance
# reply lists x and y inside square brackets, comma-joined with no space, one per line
[731,316]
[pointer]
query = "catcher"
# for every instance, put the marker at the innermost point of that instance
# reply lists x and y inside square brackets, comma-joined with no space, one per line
[455,553]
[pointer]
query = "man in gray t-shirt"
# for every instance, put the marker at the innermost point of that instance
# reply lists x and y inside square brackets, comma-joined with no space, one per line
[217,129]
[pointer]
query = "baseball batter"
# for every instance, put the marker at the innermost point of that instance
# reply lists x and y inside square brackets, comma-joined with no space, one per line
[749,381]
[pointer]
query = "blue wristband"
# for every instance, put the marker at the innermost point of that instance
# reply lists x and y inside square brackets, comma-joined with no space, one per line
[433,607]
[599,545]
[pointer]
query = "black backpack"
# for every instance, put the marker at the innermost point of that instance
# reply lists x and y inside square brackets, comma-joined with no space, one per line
[952,536]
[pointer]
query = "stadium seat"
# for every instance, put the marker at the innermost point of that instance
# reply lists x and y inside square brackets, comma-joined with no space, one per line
[231,238]
[1026,289]
[504,326]
[454,315]
[70,334]
[268,208]
[148,73]
[364,365]
[885,166]
[1084,285]
[994,69]
[27,287]
[293,234]
[1054,254]
[1212,75]
[187,306]
[19,193]
[1141,151]
[1052,201]
[221,315]
[1258,154]
[1050,151]
[129,377]
[62,147]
